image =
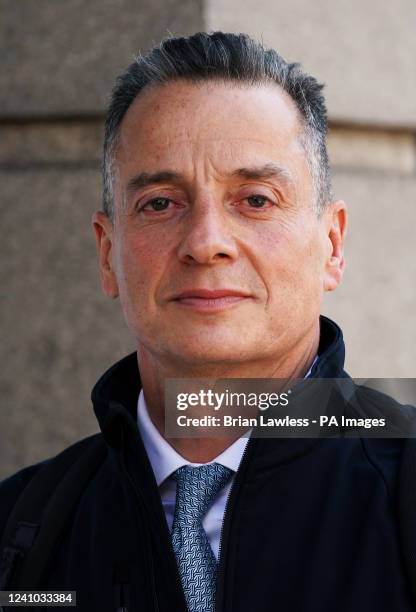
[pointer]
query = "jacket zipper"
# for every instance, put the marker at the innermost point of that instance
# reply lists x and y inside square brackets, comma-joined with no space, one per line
[226,522]
[142,511]
[120,590]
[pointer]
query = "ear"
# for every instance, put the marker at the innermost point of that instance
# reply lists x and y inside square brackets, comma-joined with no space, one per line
[336,221]
[104,238]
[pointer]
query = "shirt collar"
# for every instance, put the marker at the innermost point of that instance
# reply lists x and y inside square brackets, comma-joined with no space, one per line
[308,373]
[163,457]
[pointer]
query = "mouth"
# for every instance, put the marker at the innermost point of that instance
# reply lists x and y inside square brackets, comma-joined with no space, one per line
[210,300]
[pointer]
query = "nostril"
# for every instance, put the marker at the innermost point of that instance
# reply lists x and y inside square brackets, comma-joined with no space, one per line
[191,258]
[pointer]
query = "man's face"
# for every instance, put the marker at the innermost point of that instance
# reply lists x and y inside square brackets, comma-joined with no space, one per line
[216,252]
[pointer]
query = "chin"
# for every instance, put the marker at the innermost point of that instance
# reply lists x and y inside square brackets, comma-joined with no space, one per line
[211,352]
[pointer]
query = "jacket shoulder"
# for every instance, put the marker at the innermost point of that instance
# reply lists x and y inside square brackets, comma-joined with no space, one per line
[12,486]
[385,453]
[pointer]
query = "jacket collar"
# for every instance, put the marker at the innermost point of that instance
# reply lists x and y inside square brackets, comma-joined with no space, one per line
[331,351]
[115,394]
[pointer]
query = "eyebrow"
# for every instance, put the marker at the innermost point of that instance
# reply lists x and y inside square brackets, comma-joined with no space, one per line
[144,179]
[267,171]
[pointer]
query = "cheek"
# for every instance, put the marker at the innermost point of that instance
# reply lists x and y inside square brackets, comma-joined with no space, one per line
[139,265]
[291,261]
[280,247]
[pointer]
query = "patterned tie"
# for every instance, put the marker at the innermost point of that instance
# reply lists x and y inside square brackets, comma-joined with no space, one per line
[196,489]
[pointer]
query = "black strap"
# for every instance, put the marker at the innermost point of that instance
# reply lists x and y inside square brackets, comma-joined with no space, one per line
[42,511]
[407,512]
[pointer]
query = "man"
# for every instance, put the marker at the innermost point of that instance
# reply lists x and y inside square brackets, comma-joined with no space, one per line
[219,235]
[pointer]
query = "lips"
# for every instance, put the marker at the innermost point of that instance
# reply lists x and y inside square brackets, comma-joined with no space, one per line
[210,299]
[210,294]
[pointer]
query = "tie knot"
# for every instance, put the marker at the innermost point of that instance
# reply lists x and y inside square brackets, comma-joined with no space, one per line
[197,488]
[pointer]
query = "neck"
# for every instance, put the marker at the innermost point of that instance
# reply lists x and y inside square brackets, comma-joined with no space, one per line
[154,371]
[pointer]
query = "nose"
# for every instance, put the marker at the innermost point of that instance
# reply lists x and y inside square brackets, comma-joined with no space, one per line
[207,238]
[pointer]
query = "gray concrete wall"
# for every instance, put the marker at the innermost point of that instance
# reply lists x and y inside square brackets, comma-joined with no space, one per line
[363,51]
[59,62]
[61,57]
[375,173]
[376,304]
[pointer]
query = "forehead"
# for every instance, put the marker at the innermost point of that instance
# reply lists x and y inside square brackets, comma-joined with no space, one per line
[174,125]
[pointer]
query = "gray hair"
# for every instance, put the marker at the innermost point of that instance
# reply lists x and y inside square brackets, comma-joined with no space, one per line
[223,57]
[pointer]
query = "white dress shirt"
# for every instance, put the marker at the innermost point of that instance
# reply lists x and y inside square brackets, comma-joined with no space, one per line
[165,461]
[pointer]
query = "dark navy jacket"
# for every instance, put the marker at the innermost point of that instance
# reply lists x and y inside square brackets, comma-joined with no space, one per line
[310,524]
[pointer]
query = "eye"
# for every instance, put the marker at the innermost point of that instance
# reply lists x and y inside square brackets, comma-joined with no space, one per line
[157,204]
[257,201]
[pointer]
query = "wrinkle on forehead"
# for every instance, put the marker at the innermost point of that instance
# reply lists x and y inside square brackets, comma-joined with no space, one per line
[201,109]
[211,129]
